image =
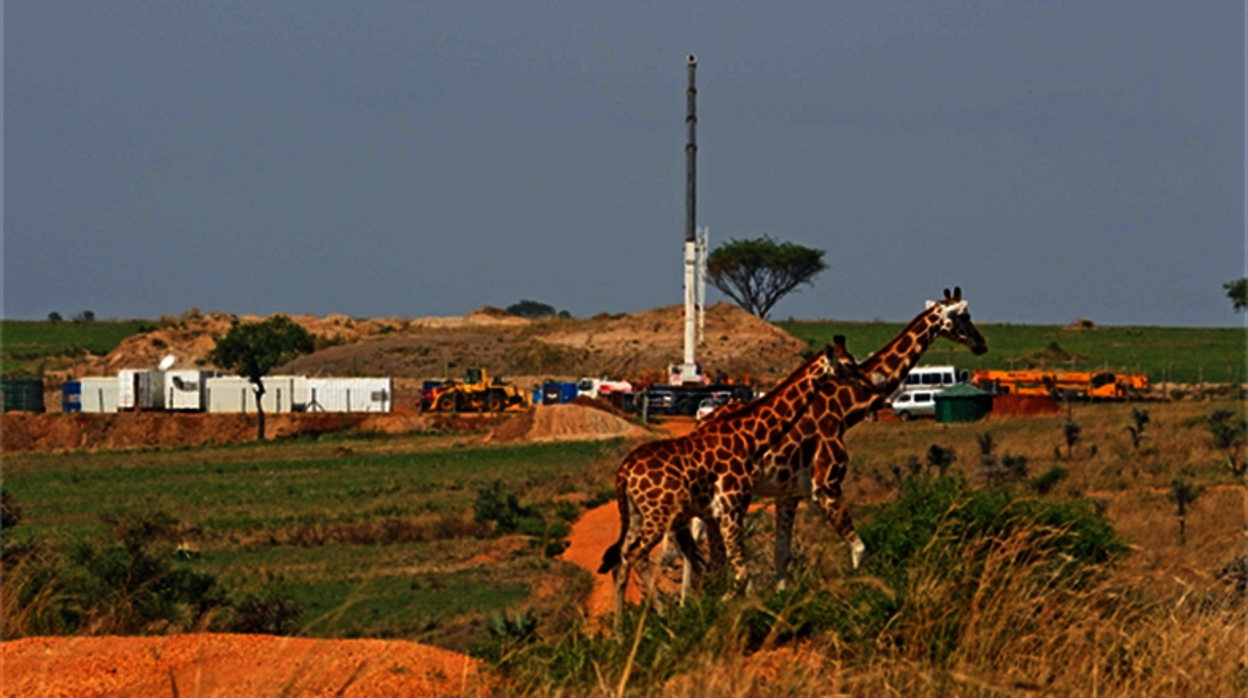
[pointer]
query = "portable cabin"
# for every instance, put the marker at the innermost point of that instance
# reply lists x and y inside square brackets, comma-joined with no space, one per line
[97,395]
[961,404]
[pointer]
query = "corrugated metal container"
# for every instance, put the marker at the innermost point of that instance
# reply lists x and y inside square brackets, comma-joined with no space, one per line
[22,394]
[98,394]
[236,394]
[961,404]
[349,394]
[186,389]
[140,389]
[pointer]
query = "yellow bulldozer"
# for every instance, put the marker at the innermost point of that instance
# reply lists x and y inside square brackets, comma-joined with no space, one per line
[478,393]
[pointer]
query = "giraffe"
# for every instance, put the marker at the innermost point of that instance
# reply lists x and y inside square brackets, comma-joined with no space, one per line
[708,474]
[810,460]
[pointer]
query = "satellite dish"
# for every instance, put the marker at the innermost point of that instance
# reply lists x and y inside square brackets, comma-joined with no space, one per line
[166,362]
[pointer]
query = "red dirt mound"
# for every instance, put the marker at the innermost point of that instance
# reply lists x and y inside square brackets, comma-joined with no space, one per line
[234,665]
[599,404]
[1023,406]
[51,432]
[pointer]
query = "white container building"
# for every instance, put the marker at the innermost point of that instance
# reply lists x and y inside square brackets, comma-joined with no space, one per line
[349,394]
[186,389]
[140,389]
[233,394]
[98,394]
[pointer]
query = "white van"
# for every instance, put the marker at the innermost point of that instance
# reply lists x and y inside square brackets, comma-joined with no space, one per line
[934,378]
[915,403]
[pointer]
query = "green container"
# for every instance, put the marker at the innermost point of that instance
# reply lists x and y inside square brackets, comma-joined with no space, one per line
[961,404]
[22,394]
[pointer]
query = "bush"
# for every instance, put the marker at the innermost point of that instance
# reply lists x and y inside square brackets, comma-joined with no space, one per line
[125,585]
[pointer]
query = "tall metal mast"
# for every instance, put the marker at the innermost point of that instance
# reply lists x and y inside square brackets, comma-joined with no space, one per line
[689,371]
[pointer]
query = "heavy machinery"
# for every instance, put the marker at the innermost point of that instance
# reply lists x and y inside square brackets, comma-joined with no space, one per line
[476,393]
[1104,385]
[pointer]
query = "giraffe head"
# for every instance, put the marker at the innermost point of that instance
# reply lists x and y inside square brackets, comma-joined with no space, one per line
[845,368]
[954,322]
[874,382]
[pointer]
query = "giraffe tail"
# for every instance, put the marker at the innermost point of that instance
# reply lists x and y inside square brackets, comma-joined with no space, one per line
[613,555]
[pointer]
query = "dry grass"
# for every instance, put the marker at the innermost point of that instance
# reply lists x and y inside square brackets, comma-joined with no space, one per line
[1155,622]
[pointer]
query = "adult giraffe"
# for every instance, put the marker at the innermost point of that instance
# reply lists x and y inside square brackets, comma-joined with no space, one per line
[708,474]
[810,460]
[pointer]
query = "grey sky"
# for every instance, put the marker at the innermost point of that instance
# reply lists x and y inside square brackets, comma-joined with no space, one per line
[1057,160]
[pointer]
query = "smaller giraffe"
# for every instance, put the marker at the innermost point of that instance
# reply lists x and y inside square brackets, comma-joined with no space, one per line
[708,474]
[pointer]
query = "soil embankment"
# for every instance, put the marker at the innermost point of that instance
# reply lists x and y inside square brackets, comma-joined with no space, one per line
[234,665]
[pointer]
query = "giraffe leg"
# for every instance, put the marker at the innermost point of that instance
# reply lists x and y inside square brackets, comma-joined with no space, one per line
[637,552]
[786,514]
[828,497]
[732,525]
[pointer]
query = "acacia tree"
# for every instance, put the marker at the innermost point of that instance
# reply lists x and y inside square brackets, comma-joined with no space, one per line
[1237,291]
[758,273]
[254,349]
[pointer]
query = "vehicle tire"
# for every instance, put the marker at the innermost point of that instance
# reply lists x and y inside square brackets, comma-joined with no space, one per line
[494,403]
[686,407]
[447,403]
[905,416]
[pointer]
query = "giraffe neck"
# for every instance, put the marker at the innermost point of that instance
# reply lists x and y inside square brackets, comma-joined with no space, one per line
[776,412]
[894,360]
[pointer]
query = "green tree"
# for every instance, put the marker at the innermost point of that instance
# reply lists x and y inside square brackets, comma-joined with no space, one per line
[254,349]
[1237,291]
[758,273]
[536,310]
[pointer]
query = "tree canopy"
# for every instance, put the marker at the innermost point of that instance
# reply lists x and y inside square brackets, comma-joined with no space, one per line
[255,349]
[1237,291]
[757,273]
[535,310]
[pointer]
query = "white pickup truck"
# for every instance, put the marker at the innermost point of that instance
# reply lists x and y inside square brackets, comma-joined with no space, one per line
[598,387]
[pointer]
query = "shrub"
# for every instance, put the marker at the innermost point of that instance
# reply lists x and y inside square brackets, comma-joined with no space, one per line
[270,611]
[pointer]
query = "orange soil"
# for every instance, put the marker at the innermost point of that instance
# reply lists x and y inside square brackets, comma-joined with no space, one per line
[233,665]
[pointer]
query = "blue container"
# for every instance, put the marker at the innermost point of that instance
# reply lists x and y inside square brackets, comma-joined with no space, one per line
[537,396]
[71,397]
[551,394]
[568,392]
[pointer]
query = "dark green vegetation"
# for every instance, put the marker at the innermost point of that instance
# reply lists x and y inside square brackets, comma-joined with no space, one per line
[940,535]
[1237,291]
[1170,354]
[536,310]
[348,538]
[26,346]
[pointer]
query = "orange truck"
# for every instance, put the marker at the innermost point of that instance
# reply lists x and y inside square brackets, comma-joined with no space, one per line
[1104,385]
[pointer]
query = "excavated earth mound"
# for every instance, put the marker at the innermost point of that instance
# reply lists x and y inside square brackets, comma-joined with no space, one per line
[637,346]
[563,423]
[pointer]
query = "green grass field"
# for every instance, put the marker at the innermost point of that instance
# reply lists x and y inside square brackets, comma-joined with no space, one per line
[378,526]
[26,344]
[1169,354]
